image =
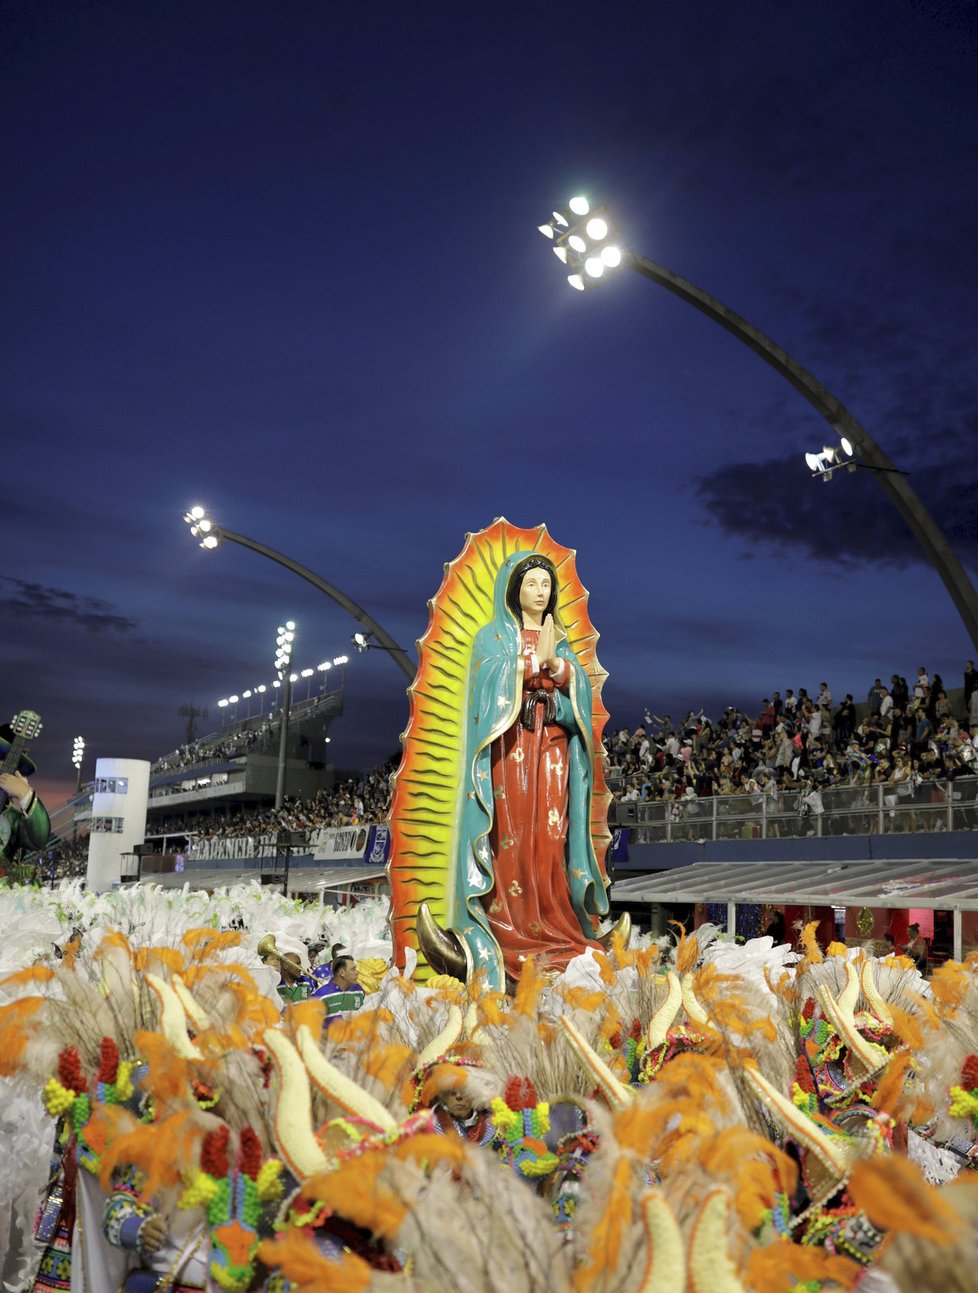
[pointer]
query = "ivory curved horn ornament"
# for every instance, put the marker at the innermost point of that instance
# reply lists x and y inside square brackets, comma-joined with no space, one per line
[351,1098]
[710,1267]
[173,1023]
[295,1137]
[848,998]
[665,1266]
[663,1019]
[446,1039]
[692,1006]
[834,1157]
[471,1021]
[871,1057]
[617,1094]
[197,1015]
[872,994]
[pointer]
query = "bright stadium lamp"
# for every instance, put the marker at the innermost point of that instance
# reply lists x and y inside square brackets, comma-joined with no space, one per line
[584,240]
[831,458]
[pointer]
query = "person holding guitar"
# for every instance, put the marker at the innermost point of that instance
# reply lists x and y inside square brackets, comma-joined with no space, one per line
[24,822]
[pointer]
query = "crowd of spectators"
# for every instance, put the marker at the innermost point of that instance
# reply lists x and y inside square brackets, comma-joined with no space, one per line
[903,735]
[360,800]
[209,749]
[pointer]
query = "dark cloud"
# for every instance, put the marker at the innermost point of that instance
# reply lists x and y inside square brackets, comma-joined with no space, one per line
[35,601]
[848,520]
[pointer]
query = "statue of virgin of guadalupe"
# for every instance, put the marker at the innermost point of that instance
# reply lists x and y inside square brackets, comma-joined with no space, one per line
[522,877]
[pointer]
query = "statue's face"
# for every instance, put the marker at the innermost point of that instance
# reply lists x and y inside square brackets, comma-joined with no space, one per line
[535,592]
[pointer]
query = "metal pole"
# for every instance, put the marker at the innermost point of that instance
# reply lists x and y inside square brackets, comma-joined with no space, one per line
[283,742]
[893,482]
[358,613]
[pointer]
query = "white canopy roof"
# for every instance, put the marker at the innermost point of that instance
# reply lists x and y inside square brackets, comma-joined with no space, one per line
[948,884]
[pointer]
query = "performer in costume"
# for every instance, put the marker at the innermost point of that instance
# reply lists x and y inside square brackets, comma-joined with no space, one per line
[295,984]
[525,879]
[24,822]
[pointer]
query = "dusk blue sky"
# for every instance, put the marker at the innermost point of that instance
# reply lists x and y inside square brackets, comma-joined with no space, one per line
[281,259]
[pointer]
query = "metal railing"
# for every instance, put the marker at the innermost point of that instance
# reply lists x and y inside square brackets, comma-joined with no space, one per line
[838,810]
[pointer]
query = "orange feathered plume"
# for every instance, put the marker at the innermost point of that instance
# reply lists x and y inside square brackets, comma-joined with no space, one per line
[605,967]
[949,983]
[158,1149]
[757,1168]
[305,1014]
[355,1028]
[15,1033]
[169,1075]
[32,974]
[604,1247]
[809,943]
[354,1191]
[687,949]
[206,941]
[780,1267]
[582,999]
[295,1254]
[429,1148]
[111,939]
[387,1062]
[893,1193]
[908,1027]
[529,988]
[837,949]
[155,959]
[890,1093]
[491,1010]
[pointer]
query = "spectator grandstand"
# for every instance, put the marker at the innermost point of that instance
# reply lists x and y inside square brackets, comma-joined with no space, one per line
[904,759]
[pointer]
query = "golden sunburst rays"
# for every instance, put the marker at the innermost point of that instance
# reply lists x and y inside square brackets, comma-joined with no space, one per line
[428,784]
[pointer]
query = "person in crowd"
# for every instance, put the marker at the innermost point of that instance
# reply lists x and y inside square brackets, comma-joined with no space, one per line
[344,995]
[916,947]
[295,984]
[970,682]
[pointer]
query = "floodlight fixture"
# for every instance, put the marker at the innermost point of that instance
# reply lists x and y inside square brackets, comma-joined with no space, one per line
[203,527]
[585,242]
[222,704]
[78,751]
[341,659]
[832,458]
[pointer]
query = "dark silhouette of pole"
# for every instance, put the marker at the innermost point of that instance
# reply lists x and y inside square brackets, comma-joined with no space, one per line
[892,481]
[359,614]
[283,740]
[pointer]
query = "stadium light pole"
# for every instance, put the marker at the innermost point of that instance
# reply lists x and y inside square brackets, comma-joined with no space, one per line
[586,241]
[77,757]
[283,667]
[212,535]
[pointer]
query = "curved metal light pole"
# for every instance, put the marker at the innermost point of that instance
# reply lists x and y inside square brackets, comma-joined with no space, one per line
[574,225]
[210,530]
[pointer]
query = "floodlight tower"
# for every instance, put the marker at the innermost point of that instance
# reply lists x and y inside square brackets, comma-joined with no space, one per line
[283,667]
[587,243]
[77,758]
